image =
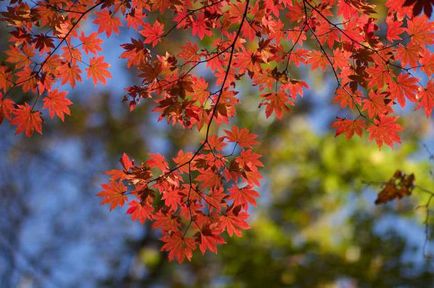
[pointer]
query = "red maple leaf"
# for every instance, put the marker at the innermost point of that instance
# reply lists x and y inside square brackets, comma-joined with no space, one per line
[69,73]
[376,104]
[243,196]
[394,29]
[97,70]
[241,136]
[409,55]
[126,162]
[234,224]
[27,120]
[113,194]
[346,99]
[200,28]
[385,131]
[427,98]
[405,86]
[178,246]
[140,212]
[152,33]
[6,108]
[5,78]
[349,127]
[57,104]
[91,43]
[209,241]
[107,22]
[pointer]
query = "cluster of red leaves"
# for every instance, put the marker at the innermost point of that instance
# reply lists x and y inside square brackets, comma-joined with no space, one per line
[198,199]
[266,42]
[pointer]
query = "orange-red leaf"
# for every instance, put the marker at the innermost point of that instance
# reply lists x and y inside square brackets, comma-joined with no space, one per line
[113,194]
[91,43]
[57,104]
[385,131]
[152,33]
[140,212]
[6,108]
[97,70]
[107,22]
[349,127]
[27,120]
[241,136]
[178,246]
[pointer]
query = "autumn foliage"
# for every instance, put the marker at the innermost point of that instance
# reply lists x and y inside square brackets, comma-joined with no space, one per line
[378,64]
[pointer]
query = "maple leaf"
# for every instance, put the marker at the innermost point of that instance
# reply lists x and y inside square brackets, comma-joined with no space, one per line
[216,143]
[200,28]
[349,127]
[216,197]
[189,52]
[427,98]
[116,174]
[378,76]
[97,70]
[165,221]
[249,161]
[385,131]
[71,54]
[317,60]
[91,43]
[126,162]
[140,212]
[27,120]
[200,91]
[179,247]
[69,73]
[376,104]
[137,19]
[107,22]
[19,57]
[57,104]
[241,136]
[43,43]
[243,196]
[182,158]
[400,185]
[161,5]
[209,178]
[6,108]
[427,62]
[209,241]
[421,31]
[5,78]
[409,55]
[275,103]
[345,99]
[135,52]
[157,160]
[341,57]
[234,224]
[171,198]
[394,29]
[113,194]
[152,33]
[405,85]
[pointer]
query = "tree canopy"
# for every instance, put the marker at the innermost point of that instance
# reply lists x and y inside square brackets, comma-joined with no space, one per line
[381,64]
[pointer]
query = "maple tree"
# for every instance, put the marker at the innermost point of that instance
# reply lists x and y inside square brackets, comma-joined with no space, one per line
[378,64]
